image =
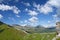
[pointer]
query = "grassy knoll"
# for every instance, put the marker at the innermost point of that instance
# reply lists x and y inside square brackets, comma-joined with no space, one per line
[8,33]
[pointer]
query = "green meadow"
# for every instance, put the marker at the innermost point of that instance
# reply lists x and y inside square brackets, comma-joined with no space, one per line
[9,33]
[40,36]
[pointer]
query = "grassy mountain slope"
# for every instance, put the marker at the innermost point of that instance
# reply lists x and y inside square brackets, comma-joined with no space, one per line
[41,36]
[9,33]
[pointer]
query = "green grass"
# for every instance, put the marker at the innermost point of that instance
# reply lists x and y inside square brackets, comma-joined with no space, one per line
[58,39]
[44,36]
[9,33]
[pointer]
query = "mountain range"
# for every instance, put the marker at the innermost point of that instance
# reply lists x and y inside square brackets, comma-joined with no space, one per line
[37,29]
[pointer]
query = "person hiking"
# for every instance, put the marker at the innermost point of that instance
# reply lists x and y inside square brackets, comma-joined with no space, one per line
[57,31]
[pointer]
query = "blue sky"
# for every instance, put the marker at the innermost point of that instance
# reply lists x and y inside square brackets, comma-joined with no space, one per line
[30,12]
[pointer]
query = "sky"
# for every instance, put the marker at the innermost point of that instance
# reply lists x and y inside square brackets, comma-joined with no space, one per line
[30,12]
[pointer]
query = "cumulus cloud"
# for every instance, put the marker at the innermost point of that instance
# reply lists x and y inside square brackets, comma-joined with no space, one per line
[55,3]
[32,13]
[15,9]
[48,7]
[57,15]
[26,3]
[1,16]
[33,19]
[37,6]
[43,8]
[7,7]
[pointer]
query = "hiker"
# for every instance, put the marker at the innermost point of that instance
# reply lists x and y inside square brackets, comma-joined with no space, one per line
[57,31]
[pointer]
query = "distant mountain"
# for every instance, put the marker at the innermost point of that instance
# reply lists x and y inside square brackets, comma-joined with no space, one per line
[52,28]
[37,29]
[40,26]
[15,25]
[8,32]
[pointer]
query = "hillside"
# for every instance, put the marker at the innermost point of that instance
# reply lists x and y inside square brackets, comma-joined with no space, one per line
[41,36]
[9,33]
[37,29]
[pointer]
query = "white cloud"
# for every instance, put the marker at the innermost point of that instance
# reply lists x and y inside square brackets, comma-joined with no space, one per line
[54,3]
[15,10]
[7,7]
[26,3]
[48,7]
[37,6]
[33,19]
[43,8]
[1,16]
[32,13]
